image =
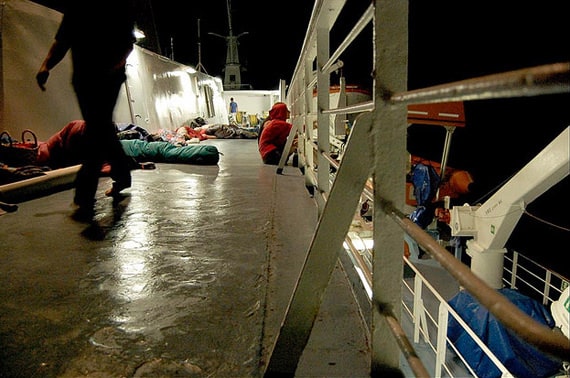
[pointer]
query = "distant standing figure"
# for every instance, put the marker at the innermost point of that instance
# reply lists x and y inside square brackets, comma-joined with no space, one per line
[100,36]
[233,110]
[273,134]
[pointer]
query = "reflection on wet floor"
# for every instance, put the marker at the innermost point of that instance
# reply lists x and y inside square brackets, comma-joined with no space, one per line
[164,278]
[171,281]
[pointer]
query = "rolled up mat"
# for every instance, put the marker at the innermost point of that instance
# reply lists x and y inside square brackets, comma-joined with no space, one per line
[8,207]
[51,182]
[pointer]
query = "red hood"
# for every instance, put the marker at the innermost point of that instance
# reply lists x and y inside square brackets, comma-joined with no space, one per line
[279,111]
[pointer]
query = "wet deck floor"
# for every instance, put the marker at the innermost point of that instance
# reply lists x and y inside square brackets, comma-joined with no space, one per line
[189,275]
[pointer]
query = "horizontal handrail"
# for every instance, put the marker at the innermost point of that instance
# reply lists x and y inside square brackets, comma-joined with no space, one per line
[541,80]
[402,340]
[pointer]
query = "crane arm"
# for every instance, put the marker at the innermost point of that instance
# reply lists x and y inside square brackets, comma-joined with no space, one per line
[492,223]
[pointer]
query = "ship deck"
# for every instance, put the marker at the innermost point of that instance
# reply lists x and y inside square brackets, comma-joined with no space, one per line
[189,275]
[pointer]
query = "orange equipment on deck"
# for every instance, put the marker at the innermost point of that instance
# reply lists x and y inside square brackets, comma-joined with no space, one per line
[454,182]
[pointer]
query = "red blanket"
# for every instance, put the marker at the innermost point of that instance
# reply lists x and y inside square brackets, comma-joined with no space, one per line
[63,149]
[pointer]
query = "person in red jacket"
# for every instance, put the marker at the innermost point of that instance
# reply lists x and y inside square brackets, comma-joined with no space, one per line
[273,134]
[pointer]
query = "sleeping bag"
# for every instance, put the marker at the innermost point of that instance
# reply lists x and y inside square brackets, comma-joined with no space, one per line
[165,152]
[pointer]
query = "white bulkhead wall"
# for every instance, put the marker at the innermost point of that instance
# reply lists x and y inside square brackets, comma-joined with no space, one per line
[163,94]
[159,93]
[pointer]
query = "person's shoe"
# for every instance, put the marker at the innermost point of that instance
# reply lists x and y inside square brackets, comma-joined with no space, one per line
[147,165]
[83,214]
[115,190]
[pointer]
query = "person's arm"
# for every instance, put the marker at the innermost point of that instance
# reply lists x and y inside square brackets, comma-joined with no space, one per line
[123,55]
[55,55]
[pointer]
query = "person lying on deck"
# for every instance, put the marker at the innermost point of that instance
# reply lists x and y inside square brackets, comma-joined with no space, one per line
[65,148]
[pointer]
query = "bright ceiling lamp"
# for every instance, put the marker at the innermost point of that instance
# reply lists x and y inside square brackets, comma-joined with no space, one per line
[139,34]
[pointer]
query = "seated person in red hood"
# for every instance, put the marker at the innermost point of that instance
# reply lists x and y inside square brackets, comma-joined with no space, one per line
[273,134]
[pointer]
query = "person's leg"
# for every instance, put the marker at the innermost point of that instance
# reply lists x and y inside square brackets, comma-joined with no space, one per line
[97,98]
[87,178]
[121,164]
[272,158]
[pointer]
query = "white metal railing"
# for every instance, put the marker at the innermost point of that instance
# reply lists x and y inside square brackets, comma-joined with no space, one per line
[373,149]
[423,320]
[536,281]
[546,285]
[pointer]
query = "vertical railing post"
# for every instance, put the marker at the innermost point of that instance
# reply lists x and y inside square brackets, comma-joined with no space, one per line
[323,103]
[418,307]
[390,46]
[309,118]
[514,270]
[442,319]
[546,291]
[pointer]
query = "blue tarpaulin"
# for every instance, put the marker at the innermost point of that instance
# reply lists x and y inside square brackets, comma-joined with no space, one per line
[518,356]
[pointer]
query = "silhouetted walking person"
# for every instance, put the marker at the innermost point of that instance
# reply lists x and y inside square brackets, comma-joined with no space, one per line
[100,36]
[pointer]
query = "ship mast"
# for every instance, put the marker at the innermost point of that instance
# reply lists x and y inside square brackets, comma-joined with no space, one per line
[232,69]
[199,66]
